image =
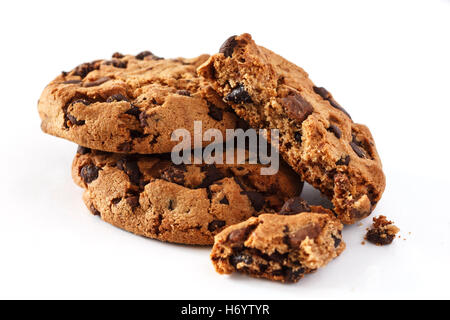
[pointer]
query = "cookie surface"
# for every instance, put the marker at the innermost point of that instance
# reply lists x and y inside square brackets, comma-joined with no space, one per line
[150,196]
[318,139]
[278,247]
[131,104]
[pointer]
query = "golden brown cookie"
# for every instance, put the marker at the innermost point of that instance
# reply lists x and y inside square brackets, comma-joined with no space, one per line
[318,139]
[278,247]
[131,104]
[150,196]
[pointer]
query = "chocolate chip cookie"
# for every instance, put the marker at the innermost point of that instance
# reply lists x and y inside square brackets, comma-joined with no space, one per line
[150,196]
[131,104]
[318,138]
[278,247]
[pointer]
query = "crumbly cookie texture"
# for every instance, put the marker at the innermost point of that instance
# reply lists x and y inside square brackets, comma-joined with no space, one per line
[150,196]
[318,139]
[131,104]
[278,247]
[382,232]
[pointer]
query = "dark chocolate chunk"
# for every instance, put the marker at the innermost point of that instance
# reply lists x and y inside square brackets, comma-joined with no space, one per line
[224,200]
[228,46]
[327,96]
[116,97]
[298,136]
[74,121]
[214,112]
[118,55]
[135,134]
[94,210]
[83,150]
[297,108]
[358,150]
[134,111]
[212,174]
[96,82]
[294,206]
[291,275]
[215,225]
[238,95]
[240,235]
[379,238]
[335,129]
[235,259]
[311,231]
[174,174]
[133,201]
[343,161]
[143,54]
[337,241]
[131,168]
[89,173]
[83,69]
[256,198]
[115,201]
[184,93]
[72,82]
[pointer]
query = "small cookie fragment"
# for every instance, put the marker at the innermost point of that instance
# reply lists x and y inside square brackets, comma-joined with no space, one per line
[278,247]
[382,231]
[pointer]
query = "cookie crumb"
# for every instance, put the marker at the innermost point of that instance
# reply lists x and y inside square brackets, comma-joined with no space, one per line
[363,243]
[382,232]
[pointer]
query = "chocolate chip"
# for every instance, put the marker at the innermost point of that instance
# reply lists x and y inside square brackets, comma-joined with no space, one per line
[131,168]
[212,174]
[238,95]
[134,111]
[240,258]
[72,82]
[135,134]
[292,276]
[89,173]
[83,69]
[240,235]
[224,200]
[337,241]
[184,93]
[143,54]
[83,101]
[335,129]
[321,91]
[94,210]
[214,112]
[117,63]
[294,206]
[174,174]
[327,96]
[124,147]
[171,205]
[343,161]
[297,108]
[256,198]
[96,82]
[215,225]
[378,237]
[74,121]
[115,201]
[242,124]
[357,148]
[118,55]
[116,97]
[311,231]
[228,46]
[83,150]
[133,202]
[298,136]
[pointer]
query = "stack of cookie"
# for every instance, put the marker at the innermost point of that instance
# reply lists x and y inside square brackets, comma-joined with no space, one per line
[122,113]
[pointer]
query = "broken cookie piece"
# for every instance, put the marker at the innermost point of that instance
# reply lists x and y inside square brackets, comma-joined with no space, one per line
[278,247]
[382,232]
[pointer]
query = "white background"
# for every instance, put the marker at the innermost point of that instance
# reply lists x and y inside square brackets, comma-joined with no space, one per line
[386,62]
